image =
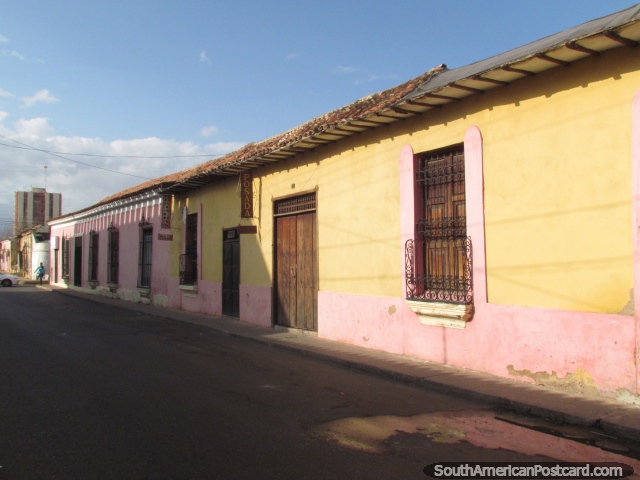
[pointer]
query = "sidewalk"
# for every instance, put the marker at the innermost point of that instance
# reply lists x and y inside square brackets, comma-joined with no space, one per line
[613,417]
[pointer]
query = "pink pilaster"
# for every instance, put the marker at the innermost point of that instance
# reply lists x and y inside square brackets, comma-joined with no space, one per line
[635,165]
[474,185]
[408,166]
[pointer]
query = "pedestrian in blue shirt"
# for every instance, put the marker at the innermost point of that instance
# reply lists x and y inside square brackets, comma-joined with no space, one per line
[40,272]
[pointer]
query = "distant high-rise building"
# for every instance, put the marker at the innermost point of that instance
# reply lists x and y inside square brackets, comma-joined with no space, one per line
[35,208]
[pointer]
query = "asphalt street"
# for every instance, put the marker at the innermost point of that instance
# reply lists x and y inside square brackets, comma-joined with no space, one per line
[94,391]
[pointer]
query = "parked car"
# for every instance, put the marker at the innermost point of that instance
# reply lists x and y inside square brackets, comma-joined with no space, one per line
[6,279]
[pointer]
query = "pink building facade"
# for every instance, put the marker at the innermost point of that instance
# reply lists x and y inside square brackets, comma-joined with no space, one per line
[113,249]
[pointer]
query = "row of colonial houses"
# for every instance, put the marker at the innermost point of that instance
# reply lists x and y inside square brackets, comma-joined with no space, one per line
[485,217]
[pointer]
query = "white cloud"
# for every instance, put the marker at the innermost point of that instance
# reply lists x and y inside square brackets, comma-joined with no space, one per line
[41,96]
[5,94]
[371,78]
[208,131]
[3,39]
[343,69]
[82,185]
[34,128]
[3,115]
[204,58]
[291,56]
[14,53]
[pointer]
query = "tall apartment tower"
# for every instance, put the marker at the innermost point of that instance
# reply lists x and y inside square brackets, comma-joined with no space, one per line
[35,208]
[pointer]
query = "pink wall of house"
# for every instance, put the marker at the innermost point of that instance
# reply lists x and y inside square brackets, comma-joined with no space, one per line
[522,343]
[255,305]
[207,299]
[255,301]
[126,220]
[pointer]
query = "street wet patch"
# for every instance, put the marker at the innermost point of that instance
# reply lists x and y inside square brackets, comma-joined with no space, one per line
[482,429]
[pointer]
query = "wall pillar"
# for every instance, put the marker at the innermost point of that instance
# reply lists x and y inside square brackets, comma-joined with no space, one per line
[635,215]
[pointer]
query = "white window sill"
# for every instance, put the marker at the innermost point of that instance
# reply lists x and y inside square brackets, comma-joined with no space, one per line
[442,314]
[189,290]
[144,292]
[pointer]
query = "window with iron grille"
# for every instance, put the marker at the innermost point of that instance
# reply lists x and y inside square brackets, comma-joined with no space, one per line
[144,263]
[438,261]
[93,256]
[113,253]
[65,257]
[189,259]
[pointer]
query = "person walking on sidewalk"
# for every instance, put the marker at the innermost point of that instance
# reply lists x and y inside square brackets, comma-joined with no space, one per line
[40,272]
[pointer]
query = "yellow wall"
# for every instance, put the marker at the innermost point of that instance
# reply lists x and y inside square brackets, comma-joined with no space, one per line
[220,210]
[557,176]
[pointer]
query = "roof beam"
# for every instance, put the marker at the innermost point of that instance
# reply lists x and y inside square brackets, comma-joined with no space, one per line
[371,123]
[382,115]
[336,132]
[422,104]
[347,126]
[617,38]
[313,141]
[350,132]
[403,111]
[263,159]
[440,97]
[507,68]
[490,80]
[465,88]
[579,48]
[547,58]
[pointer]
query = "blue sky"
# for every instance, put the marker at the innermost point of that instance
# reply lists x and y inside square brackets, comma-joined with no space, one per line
[201,78]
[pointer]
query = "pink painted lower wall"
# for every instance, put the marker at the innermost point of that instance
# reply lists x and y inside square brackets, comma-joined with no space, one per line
[207,299]
[255,305]
[255,301]
[499,336]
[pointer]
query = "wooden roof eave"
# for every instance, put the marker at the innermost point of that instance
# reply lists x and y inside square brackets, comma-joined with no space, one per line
[555,56]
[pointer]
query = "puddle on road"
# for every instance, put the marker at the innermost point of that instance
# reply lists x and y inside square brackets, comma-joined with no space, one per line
[480,428]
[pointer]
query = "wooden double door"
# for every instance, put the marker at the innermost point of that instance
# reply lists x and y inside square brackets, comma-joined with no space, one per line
[296,265]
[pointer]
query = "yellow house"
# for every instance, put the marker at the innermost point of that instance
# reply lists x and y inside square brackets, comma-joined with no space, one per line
[484,217]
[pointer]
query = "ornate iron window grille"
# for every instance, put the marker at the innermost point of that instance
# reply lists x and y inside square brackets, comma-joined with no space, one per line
[189,268]
[113,253]
[438,262]
[456,288]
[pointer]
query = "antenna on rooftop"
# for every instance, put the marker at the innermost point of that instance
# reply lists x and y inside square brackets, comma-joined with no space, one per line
[45,177]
